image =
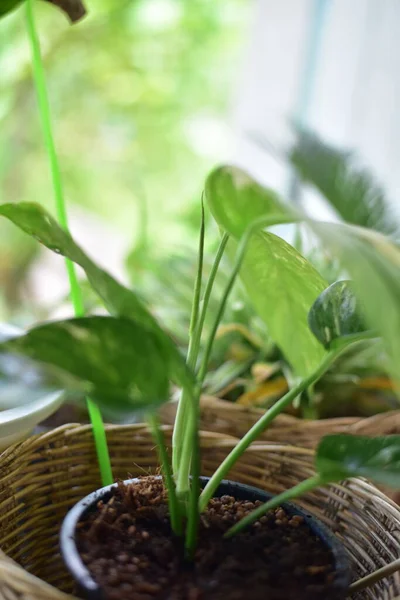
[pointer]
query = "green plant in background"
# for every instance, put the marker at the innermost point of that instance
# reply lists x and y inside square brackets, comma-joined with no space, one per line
[148,118]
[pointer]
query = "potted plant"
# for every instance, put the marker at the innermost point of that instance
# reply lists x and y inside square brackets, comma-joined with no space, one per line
[128,360]
[252,371]
[188,524]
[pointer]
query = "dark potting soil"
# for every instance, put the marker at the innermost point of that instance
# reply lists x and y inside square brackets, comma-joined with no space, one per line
[131,552]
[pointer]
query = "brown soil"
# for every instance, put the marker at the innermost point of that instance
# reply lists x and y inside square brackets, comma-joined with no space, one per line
[130,551]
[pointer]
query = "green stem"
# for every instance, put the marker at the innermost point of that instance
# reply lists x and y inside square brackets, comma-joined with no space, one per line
[261,425]
[209,288]
[296,491]
[173,504]
[76,296]
[192,359]
[182,411]
[193,513]
[183,473]
[258,224]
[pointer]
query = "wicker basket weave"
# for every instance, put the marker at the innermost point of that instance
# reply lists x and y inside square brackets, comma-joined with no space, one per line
[229,418]
[41,478]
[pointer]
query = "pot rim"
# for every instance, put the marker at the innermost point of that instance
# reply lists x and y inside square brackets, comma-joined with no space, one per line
[83,578]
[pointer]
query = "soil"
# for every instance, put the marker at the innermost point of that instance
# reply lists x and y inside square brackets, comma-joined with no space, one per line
[131,552]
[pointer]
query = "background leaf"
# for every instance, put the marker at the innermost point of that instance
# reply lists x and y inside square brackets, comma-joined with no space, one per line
[373,263]
[336,314]
[341,456]
[74,9]
[280,282]
[351,190]
[119,300]
[112,359]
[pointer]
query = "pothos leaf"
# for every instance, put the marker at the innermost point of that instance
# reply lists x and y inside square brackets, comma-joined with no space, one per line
[236,200]
[373,262]
[281,283]
[119,300]
[341,456]
[114,360]
[75,9]
[335,314]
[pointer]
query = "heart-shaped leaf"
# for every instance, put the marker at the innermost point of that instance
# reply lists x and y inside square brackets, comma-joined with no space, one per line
[236,200]
[281,283]
[114,360]
[335,314]
[119,300]
[341,456]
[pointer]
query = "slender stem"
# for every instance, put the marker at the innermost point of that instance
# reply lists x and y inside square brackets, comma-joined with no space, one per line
[183,473]
[254,227]
[173,504]
[193,512]
[261,425]
[294,492]
[209,288]
[76,296]
[374,577]
[181,415]
[199,276]
[193,354]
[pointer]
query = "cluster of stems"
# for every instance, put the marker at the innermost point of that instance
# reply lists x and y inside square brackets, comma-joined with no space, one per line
[185,500]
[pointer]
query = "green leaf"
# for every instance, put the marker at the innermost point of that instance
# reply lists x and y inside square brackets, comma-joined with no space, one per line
[373,263]
[114,360]
[7,6]
[336,314]
[119,300]
[341,456]
[351,190]
[279,281]
[236,200]
[21,380]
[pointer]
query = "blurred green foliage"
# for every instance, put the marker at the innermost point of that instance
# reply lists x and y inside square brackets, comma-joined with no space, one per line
[140,92]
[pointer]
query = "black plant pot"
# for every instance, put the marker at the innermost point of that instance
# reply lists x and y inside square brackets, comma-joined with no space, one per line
[90,590]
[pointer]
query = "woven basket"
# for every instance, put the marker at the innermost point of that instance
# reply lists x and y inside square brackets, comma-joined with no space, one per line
[41,478]
[229,418]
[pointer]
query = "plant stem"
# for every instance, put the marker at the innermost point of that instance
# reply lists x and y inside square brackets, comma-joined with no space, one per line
[374,577]
[258,224]
[261,425]
[193,513]
[183,473]
[173,504]
[193,355]
[76,296]
[181,415]
[209,288]
[294,492]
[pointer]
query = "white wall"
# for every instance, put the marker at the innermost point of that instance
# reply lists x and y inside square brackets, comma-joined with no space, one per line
[357,91]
